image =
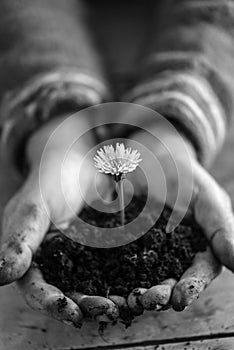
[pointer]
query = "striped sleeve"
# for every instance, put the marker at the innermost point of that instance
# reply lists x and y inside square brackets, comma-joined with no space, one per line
[187,74]
[48,65]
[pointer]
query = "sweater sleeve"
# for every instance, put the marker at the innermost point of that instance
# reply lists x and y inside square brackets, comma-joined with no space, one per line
[187,74]
[48,63]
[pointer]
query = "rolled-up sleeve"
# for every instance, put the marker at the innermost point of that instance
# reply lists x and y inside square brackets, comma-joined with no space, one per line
[187,74]
[48,63]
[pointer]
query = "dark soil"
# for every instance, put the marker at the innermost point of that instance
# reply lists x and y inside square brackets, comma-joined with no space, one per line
[149,260]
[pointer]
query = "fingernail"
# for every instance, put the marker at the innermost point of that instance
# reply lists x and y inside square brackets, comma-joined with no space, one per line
[77,324]
[12,268]
[6,275]
[77,318]
[134,303]
[2,263]
[125,313]
[179,308]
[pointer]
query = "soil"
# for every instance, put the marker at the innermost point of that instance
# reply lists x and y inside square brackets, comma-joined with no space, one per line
[152,258]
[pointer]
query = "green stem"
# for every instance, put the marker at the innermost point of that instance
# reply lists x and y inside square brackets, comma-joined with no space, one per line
[120,192]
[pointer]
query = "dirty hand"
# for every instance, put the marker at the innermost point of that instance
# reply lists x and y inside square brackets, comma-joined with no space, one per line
[204,198]
[49,197]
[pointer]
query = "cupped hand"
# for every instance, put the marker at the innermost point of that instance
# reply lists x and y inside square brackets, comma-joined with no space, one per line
[203,197]
[50,195]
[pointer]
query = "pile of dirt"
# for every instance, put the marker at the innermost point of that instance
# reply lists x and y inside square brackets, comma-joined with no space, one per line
[152,258]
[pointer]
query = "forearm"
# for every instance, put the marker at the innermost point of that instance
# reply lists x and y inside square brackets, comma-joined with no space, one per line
[45,36]
[187,75]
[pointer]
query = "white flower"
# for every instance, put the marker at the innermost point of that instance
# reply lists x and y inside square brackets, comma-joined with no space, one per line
[116,162]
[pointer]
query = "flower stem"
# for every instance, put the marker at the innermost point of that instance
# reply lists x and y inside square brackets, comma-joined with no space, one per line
[120,191]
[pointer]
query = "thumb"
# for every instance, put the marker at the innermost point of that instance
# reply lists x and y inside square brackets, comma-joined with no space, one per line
[213,211]
[25,223]
[67,183]
[28,215]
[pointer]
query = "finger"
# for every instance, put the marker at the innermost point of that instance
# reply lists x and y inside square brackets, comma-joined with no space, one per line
[125,313]
[196,278]
[134,303]
[157,297]
[27,216]
[95,307]
[48,299]
[67,182]
[213,211]
[25,222]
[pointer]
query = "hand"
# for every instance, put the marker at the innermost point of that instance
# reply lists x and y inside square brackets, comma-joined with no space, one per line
[209,203]
[28,216]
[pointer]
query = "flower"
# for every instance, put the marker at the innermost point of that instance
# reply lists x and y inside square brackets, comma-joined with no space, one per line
[116,162]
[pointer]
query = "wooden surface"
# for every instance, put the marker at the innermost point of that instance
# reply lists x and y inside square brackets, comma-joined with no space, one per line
[208,324]
[211,317]
[214,344]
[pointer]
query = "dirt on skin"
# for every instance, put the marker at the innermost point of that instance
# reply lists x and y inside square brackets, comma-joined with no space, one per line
[147,261]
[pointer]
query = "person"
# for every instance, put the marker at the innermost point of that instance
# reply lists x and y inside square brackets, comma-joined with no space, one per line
[50,68]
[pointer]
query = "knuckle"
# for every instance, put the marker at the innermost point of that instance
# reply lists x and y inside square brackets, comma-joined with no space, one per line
[31,210]
[156,296]
[18,208]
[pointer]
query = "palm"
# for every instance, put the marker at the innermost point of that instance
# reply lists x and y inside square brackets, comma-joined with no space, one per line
[54,192]
[188,188]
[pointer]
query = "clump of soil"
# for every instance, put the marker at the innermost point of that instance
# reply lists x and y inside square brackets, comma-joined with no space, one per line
[147,261]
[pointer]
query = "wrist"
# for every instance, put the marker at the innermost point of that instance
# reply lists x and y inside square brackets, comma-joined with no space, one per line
[60,135]
[162,140]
